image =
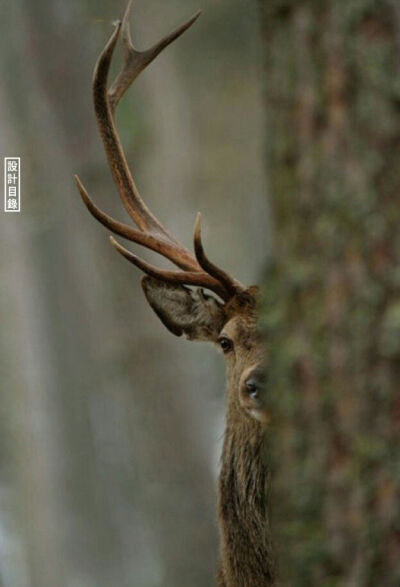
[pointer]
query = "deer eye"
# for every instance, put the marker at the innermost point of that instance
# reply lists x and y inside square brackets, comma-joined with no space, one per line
[226,344]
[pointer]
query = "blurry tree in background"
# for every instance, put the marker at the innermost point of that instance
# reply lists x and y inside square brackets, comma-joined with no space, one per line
[332,307]
[110,427]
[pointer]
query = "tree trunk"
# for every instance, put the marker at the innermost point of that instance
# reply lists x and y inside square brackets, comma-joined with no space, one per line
[332,307]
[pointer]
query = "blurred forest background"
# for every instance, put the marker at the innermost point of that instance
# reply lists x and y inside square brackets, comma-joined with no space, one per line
[111,427]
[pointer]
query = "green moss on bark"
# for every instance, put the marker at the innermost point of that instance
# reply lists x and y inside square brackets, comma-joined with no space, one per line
[332,304]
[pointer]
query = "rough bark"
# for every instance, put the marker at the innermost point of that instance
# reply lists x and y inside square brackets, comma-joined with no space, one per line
[332,309]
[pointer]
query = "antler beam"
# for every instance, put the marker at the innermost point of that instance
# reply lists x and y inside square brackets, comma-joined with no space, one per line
[150,233]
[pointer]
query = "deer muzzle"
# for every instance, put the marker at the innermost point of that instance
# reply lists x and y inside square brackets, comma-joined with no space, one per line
[252,391]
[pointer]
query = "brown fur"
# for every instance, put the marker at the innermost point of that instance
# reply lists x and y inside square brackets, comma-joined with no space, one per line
[246,551]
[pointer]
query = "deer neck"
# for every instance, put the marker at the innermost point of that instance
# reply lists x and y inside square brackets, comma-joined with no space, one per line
[246,552]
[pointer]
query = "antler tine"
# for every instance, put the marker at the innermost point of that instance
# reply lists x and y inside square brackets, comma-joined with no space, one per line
[196,270]
[232,285]
[127,189]
[136,61]
[195,278]
[148,240]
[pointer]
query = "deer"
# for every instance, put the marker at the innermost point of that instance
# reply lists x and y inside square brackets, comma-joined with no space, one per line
[203,302]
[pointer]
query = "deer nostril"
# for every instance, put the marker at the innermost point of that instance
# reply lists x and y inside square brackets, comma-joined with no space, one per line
[252,388]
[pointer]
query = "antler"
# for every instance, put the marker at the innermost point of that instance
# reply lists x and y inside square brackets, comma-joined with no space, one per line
[150,232]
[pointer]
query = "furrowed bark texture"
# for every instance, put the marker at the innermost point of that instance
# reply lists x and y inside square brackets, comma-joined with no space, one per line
[332,305]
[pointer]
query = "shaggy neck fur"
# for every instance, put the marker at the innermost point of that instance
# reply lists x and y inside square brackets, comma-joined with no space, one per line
[246,551]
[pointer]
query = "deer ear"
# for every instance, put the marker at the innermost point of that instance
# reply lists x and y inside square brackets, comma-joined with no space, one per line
[185,311]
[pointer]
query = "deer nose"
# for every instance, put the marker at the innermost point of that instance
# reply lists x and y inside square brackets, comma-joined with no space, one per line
[253,387]
[255,383]
[252,393]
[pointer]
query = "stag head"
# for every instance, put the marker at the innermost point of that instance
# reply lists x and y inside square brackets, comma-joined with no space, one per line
[227,316]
